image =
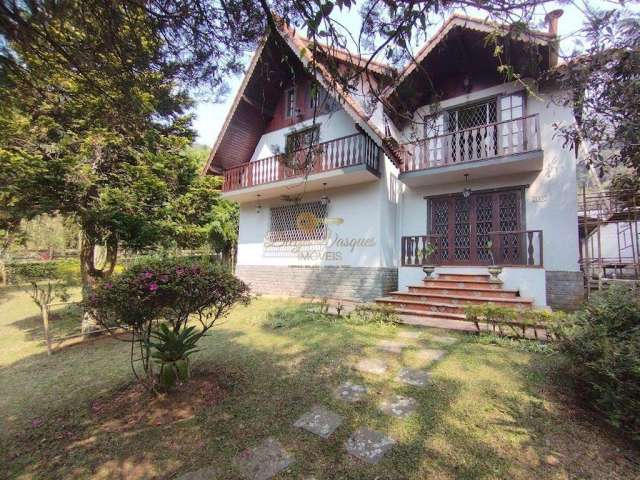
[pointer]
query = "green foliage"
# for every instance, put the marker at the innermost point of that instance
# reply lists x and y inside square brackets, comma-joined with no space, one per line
[66,270]
[602,343]
[172,350]
[508,321]
[294,316]
[157,291]
[373,314]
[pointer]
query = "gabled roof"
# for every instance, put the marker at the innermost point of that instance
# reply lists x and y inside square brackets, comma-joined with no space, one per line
[470,23]
[301,47]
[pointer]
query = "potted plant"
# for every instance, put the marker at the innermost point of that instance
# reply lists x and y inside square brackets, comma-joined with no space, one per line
[494,270]
[428,251]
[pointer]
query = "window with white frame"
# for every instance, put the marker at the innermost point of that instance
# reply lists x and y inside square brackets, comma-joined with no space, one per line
[290,102]
[511,129]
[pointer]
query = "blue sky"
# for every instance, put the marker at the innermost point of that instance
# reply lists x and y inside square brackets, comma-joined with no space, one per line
[209,116]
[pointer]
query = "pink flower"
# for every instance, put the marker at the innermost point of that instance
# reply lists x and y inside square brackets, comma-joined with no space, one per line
[164,278]
[148,274]
[153,286]
[108,285]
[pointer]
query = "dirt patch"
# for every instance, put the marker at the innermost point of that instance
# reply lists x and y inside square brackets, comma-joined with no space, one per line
[134,407]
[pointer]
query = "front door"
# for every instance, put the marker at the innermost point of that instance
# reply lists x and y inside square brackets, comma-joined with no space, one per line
[469,231]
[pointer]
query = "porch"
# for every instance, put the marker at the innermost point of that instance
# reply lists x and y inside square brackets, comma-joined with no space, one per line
[342,161]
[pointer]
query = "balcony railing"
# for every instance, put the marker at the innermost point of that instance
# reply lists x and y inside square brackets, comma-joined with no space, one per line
[478,143]
[513,248]
[356,149]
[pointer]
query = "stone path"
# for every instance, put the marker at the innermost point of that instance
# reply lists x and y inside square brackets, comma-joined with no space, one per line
[371,365]
[369,445]
[267,459]
[398,406]
[264,461]
[320,421]
[416,378]
[351,392]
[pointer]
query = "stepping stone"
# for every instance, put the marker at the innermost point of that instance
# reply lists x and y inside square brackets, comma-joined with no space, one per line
[371,365]
[351,392]
[409,334]
[417,378]
[264,461]
[430,355]
[320,421]
[391,346]
[398,406]
[369,445]
[445,340]
[207,473]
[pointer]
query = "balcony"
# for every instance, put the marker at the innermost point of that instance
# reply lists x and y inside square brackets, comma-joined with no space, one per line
[502,148]
[518,248]
[339,162]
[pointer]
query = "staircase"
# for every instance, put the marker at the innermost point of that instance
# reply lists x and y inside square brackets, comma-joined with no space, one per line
[444,298]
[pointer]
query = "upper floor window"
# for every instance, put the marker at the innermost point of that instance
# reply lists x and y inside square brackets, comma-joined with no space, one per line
[320,100]
[290,102]
[302,139]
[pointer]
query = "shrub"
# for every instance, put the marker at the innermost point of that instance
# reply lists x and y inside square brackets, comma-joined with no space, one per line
[171,291]
[506,320]
[380,314]
[26,272]
[602,344]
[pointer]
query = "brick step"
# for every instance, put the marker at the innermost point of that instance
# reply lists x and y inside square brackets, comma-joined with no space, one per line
[438,282]
[430,306]
[462,300]
[433,315]
[469,292]
[461,277]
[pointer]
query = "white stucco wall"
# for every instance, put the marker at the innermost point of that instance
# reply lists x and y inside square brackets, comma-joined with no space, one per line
[332,125]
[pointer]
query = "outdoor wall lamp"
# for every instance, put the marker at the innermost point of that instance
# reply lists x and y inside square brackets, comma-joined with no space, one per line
[324,199]
[466,193]
[258,207]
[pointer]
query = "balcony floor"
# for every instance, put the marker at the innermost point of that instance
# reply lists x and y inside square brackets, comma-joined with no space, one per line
[492,167]
[339,177]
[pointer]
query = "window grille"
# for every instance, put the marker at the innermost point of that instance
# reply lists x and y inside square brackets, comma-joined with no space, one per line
[290,102]
[472,116]
[301,222]
[302,139]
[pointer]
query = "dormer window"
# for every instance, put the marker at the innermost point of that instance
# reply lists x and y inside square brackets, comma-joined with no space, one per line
[290,103]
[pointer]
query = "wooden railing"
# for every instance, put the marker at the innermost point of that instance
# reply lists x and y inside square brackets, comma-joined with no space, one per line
[512,248]
[479,143]
[356,149]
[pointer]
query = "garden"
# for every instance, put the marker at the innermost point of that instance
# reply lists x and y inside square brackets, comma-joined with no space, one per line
[226,386]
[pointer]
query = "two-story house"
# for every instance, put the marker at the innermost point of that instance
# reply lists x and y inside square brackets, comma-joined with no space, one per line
[346,197]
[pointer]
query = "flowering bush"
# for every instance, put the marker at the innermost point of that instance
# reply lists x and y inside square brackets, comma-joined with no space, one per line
[166,291]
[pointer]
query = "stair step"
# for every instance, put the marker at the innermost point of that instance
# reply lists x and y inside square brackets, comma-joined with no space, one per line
[421,305]
[471,277]
[433,315]
[461,300]
[471,291]
[438,282]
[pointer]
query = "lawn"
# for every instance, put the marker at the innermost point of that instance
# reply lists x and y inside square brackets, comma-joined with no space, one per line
[490,411]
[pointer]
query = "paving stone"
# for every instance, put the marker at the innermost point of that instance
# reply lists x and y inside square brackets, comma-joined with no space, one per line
[351,392]
[417,378]
[398,406]
[368,445]
[444,340]
[430,355]
[207,473]
[391,346]
[409,334]
[320,421]
[264,461]
[371,365]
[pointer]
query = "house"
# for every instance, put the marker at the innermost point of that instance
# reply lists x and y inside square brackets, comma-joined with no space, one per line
[347,197]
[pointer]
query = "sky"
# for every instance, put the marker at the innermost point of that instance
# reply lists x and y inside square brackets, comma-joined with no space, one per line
[209,116]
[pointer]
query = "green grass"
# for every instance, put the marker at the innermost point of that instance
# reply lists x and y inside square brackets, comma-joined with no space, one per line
[492,411]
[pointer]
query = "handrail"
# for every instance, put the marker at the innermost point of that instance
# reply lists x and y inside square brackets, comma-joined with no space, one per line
[355,149]
[492,140]
[507,248]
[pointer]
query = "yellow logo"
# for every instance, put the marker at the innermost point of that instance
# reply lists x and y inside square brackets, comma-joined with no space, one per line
[309,221]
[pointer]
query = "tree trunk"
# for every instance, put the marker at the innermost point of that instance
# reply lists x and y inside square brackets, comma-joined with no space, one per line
[90,275]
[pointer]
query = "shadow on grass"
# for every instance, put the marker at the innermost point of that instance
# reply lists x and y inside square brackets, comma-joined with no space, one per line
[271,376]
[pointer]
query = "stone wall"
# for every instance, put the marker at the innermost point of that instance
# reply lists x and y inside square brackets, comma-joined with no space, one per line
[355,283]
[565,290]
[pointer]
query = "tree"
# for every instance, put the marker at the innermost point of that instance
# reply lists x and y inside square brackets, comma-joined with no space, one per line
[98,135]
[605,79]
